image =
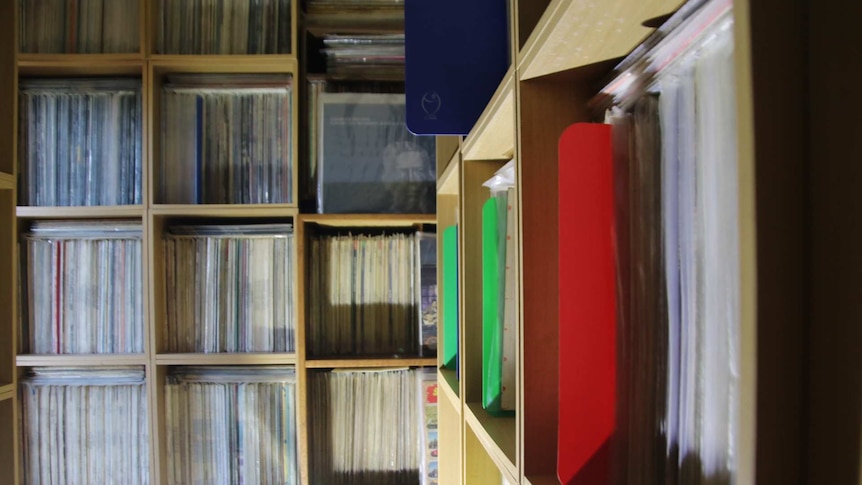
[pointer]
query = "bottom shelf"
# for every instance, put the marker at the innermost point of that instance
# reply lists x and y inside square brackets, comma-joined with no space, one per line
[497,435]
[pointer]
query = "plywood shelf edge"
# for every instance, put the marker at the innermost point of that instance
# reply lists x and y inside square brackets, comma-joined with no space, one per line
[232,358]
[88,360]
[450,179]
[575,34]
[369,363]
[493,136]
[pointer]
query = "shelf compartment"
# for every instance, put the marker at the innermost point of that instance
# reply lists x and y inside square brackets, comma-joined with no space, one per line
[493,135]
[449,384]
[368,220]
[497,435]
[7,181]
[227,358]
[90,212]
[352,362]
[574,34]
[88,360]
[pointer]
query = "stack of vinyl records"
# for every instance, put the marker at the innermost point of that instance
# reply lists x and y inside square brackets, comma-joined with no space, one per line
[364,295]
[229,425]
[226,139]
[316,87]
[374,427]
[85,425]
[230,288]
[368,56]
[224,27]
[678,251]
[82,287]
[80,142]
[79,26]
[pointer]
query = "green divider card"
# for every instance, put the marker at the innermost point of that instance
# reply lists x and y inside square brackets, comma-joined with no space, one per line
[450,298]
[492,330]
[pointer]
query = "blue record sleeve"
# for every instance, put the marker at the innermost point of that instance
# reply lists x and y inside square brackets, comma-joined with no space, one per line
[456,54]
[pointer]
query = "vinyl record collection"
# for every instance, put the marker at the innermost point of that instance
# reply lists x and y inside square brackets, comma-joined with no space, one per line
[80,142]
[678,323]
[226,139]
[363,295]
[372,426]
[224,27]
[231,425]
[83,287]
[367,56]
[85,425]
[79,26]
[230,288]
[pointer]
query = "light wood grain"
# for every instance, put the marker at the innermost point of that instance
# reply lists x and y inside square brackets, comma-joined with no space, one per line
[359,21]
[368,220]
[497,435]
[234,358]
[225,210]
[572,34]
[7,181]
[449,180]
[94,212]
[449,440]
[74,65]
[746,437]
[7,391]
[493,135]
[449,385]
[89,360]
[350,363]
[479,467]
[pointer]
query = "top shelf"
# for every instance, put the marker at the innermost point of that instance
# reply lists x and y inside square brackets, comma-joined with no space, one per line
[575,34]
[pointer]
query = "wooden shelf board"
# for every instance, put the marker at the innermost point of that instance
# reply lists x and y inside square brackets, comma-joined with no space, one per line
[7,391]
[7,181]
[39,360]
[574,34]
[497,435]
[80,65]
[450,179]
[542,480]
[369,220]
[272,63]
[94,212]
[370,362]
[232,358]
[493,136]
[449,384]
[358,21]
[225,210]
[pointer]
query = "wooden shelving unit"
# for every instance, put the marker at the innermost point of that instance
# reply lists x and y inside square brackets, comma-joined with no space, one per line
[564,52]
